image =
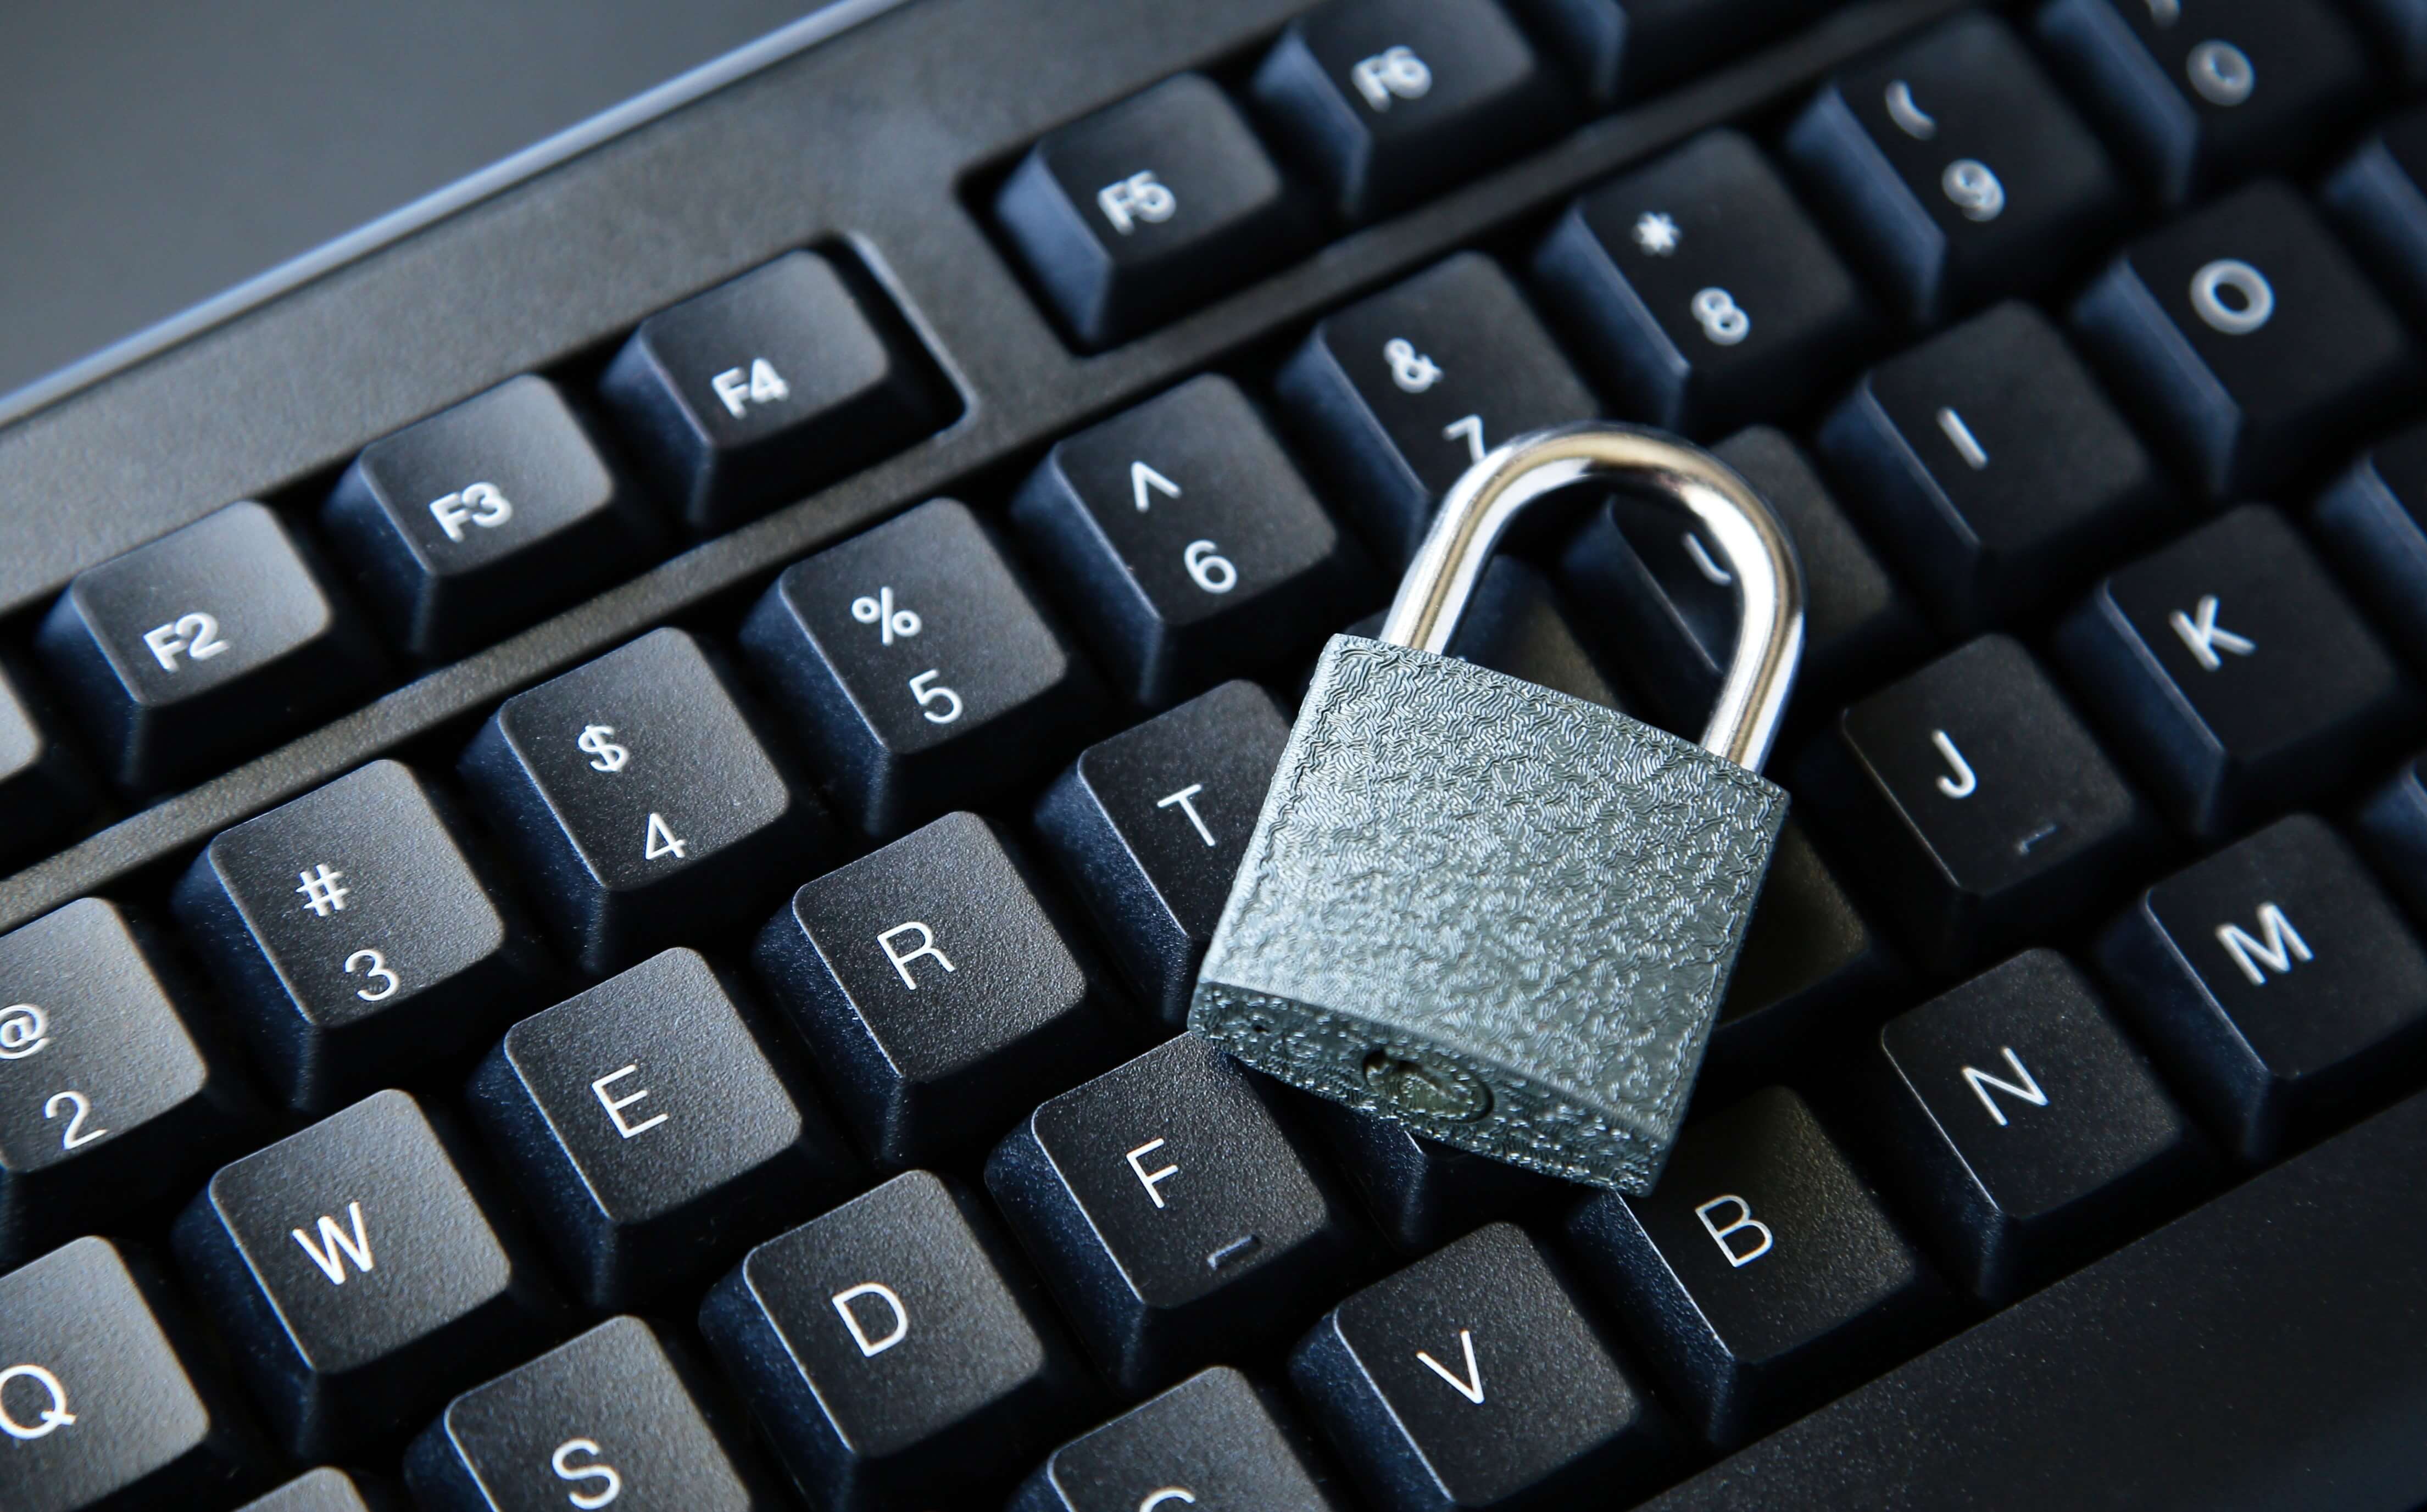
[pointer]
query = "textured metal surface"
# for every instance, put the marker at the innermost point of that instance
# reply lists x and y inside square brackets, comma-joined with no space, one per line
[1468,891]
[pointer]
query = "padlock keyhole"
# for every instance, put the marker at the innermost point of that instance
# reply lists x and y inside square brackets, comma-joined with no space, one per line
[1422,1086]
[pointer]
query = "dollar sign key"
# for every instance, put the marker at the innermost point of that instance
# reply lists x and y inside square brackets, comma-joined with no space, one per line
[606,755]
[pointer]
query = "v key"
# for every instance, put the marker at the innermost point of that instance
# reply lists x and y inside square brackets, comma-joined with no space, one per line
[1471,1387]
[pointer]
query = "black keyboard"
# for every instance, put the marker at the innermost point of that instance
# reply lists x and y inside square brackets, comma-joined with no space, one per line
[615,933]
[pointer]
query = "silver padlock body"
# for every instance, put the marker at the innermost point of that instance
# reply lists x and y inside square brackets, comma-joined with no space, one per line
[1494,913]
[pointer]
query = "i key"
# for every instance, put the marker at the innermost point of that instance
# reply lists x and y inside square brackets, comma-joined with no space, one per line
[637,790]
[645,1122]
[1623,49]
[893,1350]
[1214,1441]
[2373,522]
[356,937]
[918,663]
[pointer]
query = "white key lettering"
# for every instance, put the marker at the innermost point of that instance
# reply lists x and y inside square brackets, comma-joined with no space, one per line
[760,385]
[2281,946]
[77,1107]
[50,1419]
[1469,427]
[1965,782]
[660,840]
[1140,197]
[1165,1495]
[2220,72]
[2026,1087]
[375,964]
[1721,318]
[195,636]
[1469,1385]
[1910,118]
[1744,1220]
[481,504]
[1145,480]
[336,1247]
[1393,74]
[320,892]
[1411,369]
[615,1106]
[1967,446]
[1151,1180]
[928,692]
[611,1484]
[2253,299]
[899,1330]
[24,1028]
[902,960]
[2201,634]
[1181,801]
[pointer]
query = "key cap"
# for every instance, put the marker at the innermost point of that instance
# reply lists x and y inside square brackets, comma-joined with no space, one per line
[919,664]
[1809,958]
[99,1405]
[1958,169]
[1399,394]
[614,1414]
[109,1093]
[2031,1132]
[2393,829]
[763,389]
[942,991]
[1761,1274]
[2201,92]
[1981,808]
[1387,102]
[1148,827]
[484,519]
[359,1276]
[2245,337]
[42,794]
[321,1491]
[1173,1216]
[1186,543]
[638,791]
[1216,1440]
[201,647]
[1992,467]
[2374,524]
[645,1121]
[1419,1193]
[1472,1379]
[1699,291]
[1624,49]
[2376,201]
[2276,983]
[2234,676]
[1130,216]
[894,1349]
[356,937]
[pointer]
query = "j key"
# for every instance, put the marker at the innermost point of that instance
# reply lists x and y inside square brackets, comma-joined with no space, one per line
[2034,1133]
[1214,1441]
[482,518]
[41,795]
[1149,825]
[2373,521]
[356,937]
[1390,101]
[918,663]
[108,1097]
[1980,805]
[1185,542]
[2248,339]
[2201,92]
[1622,49]
[1700,292]
[894,1350]
[101,1407]
[1172,1215]
[358,1275]
[1762,1272]
[1402,393]
[2234,675]
[2276,983]
[321,1491]
[637,790]
[613,1418]
[762,390]
[940,987]
[644,1122]
[201,646]
[1809,957]
[2377,202]
[1137,212]
[1424,1194]
[1958,169]
[1472,1379]
[1993,468]
[2392,826]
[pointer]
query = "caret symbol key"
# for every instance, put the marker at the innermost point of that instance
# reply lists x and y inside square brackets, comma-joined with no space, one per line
[606,755]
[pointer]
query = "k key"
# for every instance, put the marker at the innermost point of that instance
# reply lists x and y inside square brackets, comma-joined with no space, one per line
[1214,1441]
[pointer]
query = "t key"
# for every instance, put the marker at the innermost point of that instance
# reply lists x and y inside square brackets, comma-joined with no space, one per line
[1214,1441]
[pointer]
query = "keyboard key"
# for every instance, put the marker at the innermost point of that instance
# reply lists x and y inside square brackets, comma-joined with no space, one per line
[1421,1193]
[2276,983]
[320,1490]
[485,517]
[42,793]
[1401,393]
[638,793]
[1762,1273]
[2373,522]
[1989,462]
[1981,808]
[1130,216]
[2201,92]
[2032,1132]
[355,937]
[101,1409]
[644,1122]
[2234,676]
[894,1350]
[202,647]
[918,663]
[2392,825]
[1472,1379]
[2378,201]
[2246,337]
[1214,1440]
[1623,49]
[615,1413]
[1174,1217]
[762,390]
[1186,543]
[1958,169]
[1387,102]
[1809,959]
[357,1276]
[942,991]
[1519,623]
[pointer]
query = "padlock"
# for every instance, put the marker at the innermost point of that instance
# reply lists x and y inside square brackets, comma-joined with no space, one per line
[1504,917]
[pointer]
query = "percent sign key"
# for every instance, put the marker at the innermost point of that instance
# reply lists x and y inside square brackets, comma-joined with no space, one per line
[891,623]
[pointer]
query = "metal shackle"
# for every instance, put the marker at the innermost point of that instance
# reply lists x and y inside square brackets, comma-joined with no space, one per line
[1752,547]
